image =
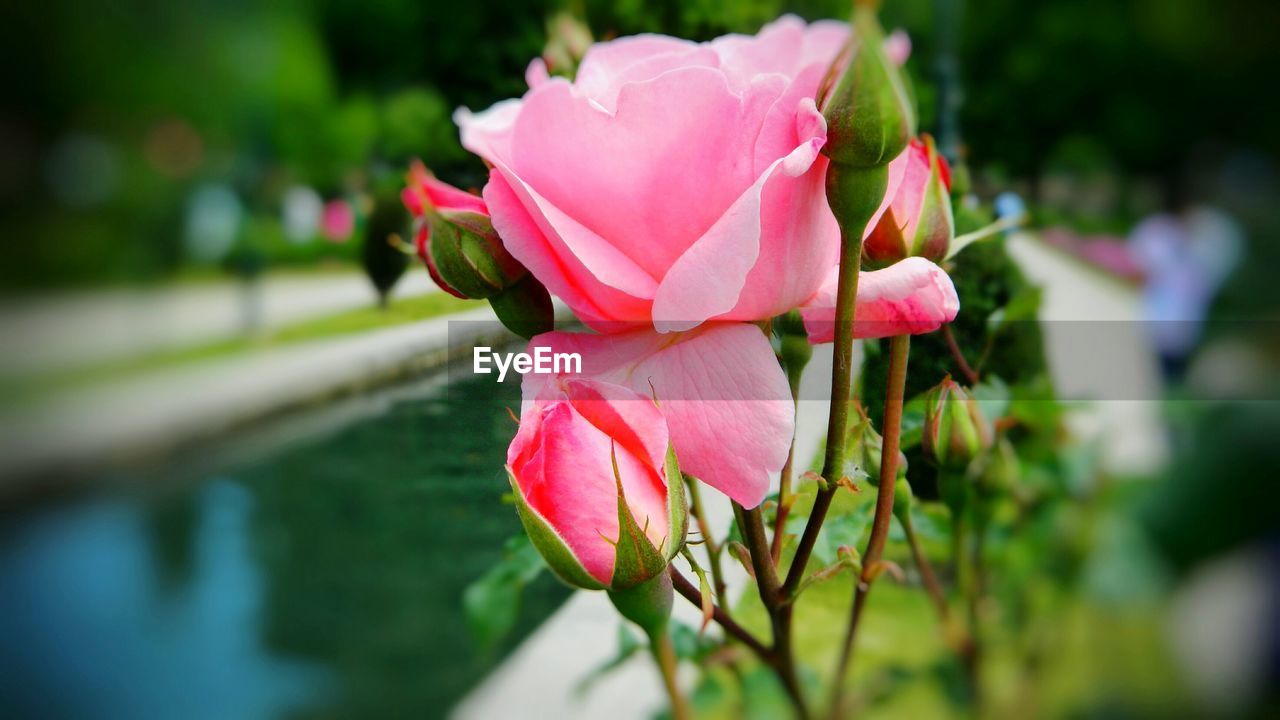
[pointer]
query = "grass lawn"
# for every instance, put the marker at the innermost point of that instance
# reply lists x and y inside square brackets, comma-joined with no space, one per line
[405,310]
[1064,651]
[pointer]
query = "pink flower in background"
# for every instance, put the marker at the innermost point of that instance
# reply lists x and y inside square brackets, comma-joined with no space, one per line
[562,465]
[671,182]
[910,297]
[337,221]
[724,396]
[898,46]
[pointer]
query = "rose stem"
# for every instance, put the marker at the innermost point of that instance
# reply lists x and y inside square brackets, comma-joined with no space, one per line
[751,524]
[969,373]
[784,482]
[686,588]
[714,549]
[899,347]
[664,653]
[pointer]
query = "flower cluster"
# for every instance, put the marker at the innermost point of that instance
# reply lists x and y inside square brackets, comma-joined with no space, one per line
[674,195]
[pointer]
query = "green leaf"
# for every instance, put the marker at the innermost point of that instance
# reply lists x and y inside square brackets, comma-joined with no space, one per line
[993,397]
[837,531]
[628,644]
[491,604]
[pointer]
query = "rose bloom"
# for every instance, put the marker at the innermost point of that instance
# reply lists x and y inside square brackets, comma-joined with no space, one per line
[671,182]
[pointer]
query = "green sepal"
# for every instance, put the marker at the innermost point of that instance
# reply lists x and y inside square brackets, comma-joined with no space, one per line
[635,559]
[677,508]
[525,308]
[647,604]
[469,255]
[550,545]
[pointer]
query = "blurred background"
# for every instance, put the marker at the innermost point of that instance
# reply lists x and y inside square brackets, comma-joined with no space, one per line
[233,482]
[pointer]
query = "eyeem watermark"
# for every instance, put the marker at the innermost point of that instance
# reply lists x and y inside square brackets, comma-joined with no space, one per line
[541,362]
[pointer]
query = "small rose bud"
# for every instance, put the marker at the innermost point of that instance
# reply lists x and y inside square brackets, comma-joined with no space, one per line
[597,485]
[466,257]
[866,449]
[917,220]
[792,346]
[954,430]
[456,240]
[1000,470]
[869,113]
[568,39]
[902,501]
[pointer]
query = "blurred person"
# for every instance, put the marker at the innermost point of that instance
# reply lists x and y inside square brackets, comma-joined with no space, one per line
[1185,257]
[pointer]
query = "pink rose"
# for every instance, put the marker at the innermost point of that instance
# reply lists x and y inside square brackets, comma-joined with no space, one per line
[720,388]
[337,221]
[671,182]
[910,297]
[572,435]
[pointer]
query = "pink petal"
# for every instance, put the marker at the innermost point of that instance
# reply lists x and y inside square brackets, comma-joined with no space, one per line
[632,420]
[536,74]
[488,134]
[608,66]
[652,177]
[910,297]
[786,46]
[535,233]
[709,279]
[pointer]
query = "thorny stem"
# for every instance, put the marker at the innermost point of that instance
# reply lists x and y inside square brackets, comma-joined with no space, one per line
[784,482]
[714,549]
[751,524]
[686,588]
[841,372]
[899,347]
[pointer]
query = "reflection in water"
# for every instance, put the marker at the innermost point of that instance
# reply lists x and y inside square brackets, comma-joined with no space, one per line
[91,632]
[312,569]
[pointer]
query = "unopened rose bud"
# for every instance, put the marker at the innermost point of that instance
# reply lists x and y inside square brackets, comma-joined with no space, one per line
[597,485]
[866,449]
[902,500]
[568,39]
[792,346]
[456,239]
[954,430]
[869,113]
[1000,470]
[917,220]
[466,258]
